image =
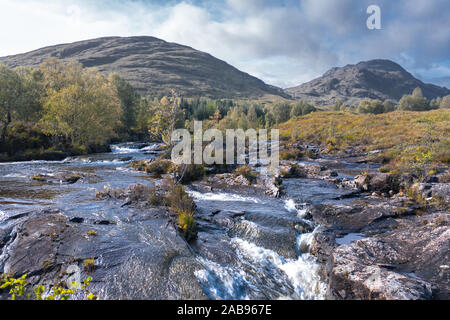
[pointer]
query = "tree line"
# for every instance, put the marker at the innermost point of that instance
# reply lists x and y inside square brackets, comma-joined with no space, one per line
[415,101]
[61,108]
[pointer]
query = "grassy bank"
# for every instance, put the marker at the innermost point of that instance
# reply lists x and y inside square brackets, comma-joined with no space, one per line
[401,139]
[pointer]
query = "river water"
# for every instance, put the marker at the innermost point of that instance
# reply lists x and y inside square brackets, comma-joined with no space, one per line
[261,254]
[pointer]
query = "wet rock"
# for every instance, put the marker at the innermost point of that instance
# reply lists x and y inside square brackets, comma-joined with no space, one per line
[380,182]
[215,212]
[437,192]
[293,171]
[323,244]
[151,262]
[104,222]
[77,220]
[355,217]
[399,257]
[356,280]
[58,178]
[327,174]
[126,159]
[43,241]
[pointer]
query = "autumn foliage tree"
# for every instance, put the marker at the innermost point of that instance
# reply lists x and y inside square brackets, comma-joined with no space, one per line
[10,97]
[167,116]
[80,106]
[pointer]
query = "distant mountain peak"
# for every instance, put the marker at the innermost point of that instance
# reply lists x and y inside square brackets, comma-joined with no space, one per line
[375,79]
[154,66]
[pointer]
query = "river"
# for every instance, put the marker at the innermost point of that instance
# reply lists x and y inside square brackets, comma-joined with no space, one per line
[249,246]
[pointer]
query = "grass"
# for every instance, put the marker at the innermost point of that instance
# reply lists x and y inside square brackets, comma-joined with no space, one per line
[400,139]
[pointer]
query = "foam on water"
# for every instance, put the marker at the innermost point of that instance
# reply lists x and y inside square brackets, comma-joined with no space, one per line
[227,282]
[119,149]
[3,215]
[15,175]
[152,147]
[220,282]
[302,273]
[221,197]
[291,206]
[304,242]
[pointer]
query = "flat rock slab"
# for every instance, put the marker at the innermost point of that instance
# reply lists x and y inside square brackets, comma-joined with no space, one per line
[145,259]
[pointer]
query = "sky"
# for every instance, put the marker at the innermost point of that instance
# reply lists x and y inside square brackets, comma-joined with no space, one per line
[283,42]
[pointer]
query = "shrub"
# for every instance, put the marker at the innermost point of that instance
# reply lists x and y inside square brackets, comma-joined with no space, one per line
[445,102]
[89,265]
[182,204]
[18,289]
[155,199]
[92,233]
[187,226]
[291,154]
[139,192]
[73,178]
[295,171]
[371,106]
[159,167]
[190,172]
[311,154]
[179,200]
[246,172]
[414,103]
[139,165]
[39,178]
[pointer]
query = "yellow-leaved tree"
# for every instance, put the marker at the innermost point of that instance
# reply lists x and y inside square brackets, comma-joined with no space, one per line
[80,105]
[167,115]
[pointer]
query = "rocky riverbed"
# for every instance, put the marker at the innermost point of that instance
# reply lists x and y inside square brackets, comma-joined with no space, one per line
[329,228]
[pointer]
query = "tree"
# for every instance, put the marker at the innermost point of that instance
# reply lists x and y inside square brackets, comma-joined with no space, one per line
[31,104]
[417,93]
[338,105]
[445,103]
[85,112]
[129,100]
[270,120]
[252,116]
[389,106]
[57,74]
[412,103]
[167,116]
[371,106]
[301,108]
[11,89]
[297,110]
[143,116]
[281,112]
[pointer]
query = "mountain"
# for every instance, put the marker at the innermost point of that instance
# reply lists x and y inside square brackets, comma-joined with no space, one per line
[154,66]
[375,79]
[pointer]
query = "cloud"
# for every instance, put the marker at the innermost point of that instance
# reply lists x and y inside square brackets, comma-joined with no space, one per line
[283,42]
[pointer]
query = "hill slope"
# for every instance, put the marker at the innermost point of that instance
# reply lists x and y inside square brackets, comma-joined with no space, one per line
[152,65]
[375,79]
